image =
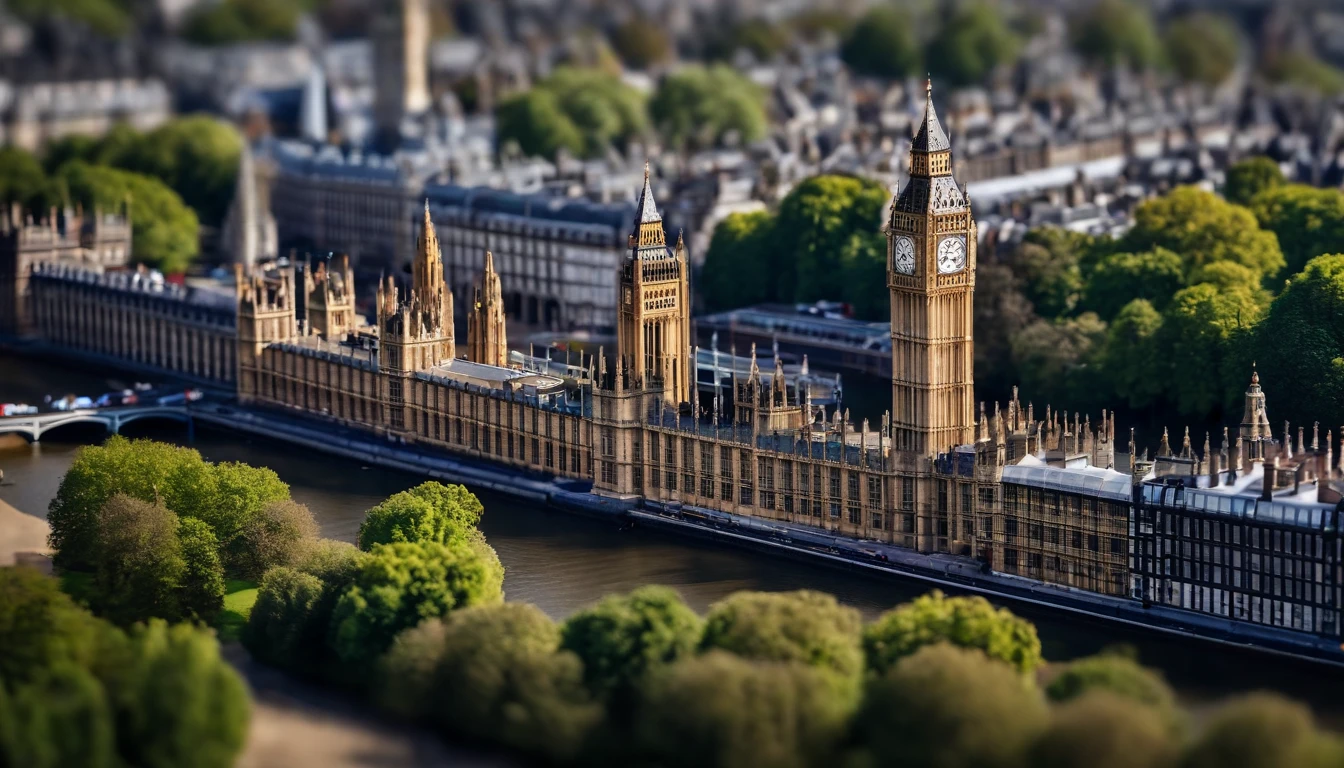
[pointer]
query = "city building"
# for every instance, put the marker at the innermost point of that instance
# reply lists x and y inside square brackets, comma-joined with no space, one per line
[487,334]
[400,67]
[819,332]
[33,114]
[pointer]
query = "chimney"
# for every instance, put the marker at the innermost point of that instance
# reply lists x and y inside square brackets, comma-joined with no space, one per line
[1271,477]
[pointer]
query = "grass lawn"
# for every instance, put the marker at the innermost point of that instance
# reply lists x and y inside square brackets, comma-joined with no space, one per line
[239,597]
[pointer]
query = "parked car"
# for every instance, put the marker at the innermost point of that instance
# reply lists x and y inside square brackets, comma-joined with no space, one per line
[17,409]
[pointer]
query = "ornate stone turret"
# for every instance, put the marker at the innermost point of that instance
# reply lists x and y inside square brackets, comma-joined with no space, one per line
[417,333]
[487,340]
[330,292]
[265,315]
[1256,434]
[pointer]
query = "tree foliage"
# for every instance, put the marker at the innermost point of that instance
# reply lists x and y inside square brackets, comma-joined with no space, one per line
[580,111]
[501,678]
[702,106]
[966,622]
[400,585]
[624,638]
[23,181]
[720,710]
[41,627]
[235,21]
[1202,47]
[1304,69]
[739,248]
[1049,265]
[1203,228]
[165,229]
[60,719]
[806,627]
[279,534]
[1112,33]
[109,18]
[1102,730]
[1119,278]
[1208,331]
[429,512]
[201,594]
[1300,344]
[284,628]
[1262,730]
[1117,675]
[1132,358]
[1308,221]
[973,40]
[1249,178]
[641,44]
[882,44]
[139,562]
[950,707]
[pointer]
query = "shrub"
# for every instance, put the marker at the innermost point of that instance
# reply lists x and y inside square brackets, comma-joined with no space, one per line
[622,638]
[61,718]
[400,585]
[406,684]
[279,534]
[241,492]
[285,628]
[139,562]
[181,703]
[949,707]
[1263,730]
[202,590]
[40,627]
[806,627]
[331,561]
[1103,730]
[723,710]
[429,512]
[968,622]
[501,678]
[1118,675]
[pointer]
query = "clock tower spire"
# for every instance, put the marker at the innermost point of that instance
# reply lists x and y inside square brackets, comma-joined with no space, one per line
[931,274]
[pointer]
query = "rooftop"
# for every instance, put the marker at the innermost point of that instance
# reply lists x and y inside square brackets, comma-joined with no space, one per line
[1088,480]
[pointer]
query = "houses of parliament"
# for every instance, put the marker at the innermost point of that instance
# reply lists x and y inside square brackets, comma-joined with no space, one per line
[1247,532]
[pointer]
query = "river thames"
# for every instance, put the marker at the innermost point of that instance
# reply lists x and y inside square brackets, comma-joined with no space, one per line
[562,562]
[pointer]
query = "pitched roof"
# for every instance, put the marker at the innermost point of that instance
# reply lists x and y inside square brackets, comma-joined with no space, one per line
[646,209]
[930,137]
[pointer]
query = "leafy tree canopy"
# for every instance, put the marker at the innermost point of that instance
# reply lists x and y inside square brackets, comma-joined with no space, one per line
[967,622]
[1263,730]
[973,40]
[1250,177]
[625,637]
[429,512]
[1307,221]
[139,562]
[1203,228]
[952,707]
[1117,675]
[1202,47]
[702,106]
[882,44]
[1116,32]
[61,718]
[1132,358]
[106,17]
[279,534]
[1304,69]
[280,630]
[1118,278]
[581,111]
[41,627]
[400,585]
[236,21]
[722,711]
[1209,331]
[1103,730]
[1300,345]
[641,44]
[23,181]
[806,627]
[201,593]
[165,229]
[1049,266]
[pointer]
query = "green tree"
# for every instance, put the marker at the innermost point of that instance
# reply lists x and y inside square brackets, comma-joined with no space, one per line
[1117,675]
[1048,266]
[623,638]
[1000,313]
[1262,730]
[1304,69]
[720,710]
[973,40]
[534,121]
[181,703]
[737,260]
[196,155]
[23,181]
[166,236]
[1202,47]
[429,512]
[967,622]
[1203,228]
[815,222]
[763,38]
[405,683]
[41,627]
[1250,177]
[201,595]
[240,493]
[882,44]
[701,106]
[140,567]
[1118,278]
[641,44]
[284,629]
[1132,358]
[805,627]
[236,21]
[1209,332]
[106,17]
[400,585]
[950,707]
[1116,32]
[1102,730]
[1059,359]
[279,534]
[61,719]
[501,677]
[1308,221]
[1300,344]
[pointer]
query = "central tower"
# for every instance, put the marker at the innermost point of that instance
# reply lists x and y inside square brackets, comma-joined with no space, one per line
[931,274]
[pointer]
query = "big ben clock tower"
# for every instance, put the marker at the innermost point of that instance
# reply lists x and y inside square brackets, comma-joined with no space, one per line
[931,274]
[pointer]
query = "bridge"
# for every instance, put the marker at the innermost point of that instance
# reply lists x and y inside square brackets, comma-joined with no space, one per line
[33,426]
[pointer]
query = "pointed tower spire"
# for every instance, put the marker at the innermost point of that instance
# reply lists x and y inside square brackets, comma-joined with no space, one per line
[930,136]
[1164,447]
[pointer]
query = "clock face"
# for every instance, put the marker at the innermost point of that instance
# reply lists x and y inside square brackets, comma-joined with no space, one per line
[903,255]
[951,255]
